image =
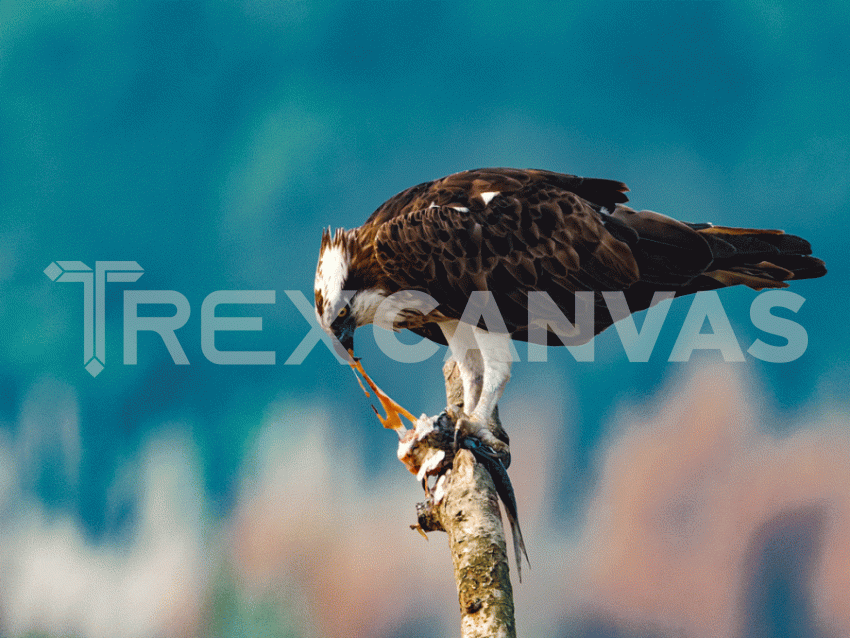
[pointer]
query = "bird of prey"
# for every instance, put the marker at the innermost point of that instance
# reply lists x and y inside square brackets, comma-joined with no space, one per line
[501,234]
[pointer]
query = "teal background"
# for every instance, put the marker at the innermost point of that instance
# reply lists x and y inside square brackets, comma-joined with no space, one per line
[211,143]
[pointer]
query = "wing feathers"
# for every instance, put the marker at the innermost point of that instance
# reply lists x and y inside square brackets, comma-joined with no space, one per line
[511,231]
[536,238]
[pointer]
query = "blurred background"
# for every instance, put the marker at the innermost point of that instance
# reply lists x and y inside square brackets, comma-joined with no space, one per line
[211,142]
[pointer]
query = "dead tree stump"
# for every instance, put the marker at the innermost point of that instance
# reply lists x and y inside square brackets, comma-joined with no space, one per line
[468,511]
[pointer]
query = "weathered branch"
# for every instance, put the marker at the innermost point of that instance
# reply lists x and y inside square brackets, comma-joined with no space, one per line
[470,478]
[469,513]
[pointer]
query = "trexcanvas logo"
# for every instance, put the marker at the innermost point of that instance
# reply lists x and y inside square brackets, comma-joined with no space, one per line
[543,317]
[94,300]
[94,317]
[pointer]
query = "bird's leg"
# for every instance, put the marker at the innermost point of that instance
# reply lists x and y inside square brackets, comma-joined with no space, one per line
[472,378]
[480,423]
[485,372]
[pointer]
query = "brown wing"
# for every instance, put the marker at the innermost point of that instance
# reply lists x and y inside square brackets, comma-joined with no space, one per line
[464,190]
[533,235]
[551,232]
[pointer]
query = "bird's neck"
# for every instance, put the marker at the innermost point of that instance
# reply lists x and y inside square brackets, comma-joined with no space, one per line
[366,302]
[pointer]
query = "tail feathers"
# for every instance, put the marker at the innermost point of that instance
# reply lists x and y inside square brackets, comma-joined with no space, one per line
[758,258]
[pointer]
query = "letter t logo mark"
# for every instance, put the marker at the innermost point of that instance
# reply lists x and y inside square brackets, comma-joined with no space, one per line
[94,301]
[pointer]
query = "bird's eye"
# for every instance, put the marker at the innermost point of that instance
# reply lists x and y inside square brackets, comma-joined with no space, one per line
[343,312]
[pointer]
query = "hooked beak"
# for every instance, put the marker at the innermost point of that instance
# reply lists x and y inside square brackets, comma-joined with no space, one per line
[345,335]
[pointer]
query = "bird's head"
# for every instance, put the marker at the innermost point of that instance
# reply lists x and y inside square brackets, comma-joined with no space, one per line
[343,299]
[333,299]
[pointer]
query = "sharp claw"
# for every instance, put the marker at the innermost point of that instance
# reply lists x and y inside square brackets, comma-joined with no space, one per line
[472,443]
[481,439]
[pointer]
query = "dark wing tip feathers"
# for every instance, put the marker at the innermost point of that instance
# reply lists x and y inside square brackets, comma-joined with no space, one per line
[769,254]
[669,252]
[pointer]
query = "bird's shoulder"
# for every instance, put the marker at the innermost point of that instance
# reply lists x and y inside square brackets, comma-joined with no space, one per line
[468,230]
[473,190]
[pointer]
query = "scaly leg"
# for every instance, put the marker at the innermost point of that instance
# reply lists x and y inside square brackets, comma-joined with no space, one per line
[485,368]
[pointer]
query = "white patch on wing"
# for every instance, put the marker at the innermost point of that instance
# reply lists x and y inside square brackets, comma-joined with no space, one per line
[489,195]
[462,209]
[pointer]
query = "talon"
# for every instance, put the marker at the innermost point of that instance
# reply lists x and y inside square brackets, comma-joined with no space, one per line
[471,434]
[495,456]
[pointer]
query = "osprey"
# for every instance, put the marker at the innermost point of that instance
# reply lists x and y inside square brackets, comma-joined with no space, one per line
[497,235]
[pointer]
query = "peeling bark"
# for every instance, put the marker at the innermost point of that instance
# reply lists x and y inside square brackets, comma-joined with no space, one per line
[464,503]
[469,513]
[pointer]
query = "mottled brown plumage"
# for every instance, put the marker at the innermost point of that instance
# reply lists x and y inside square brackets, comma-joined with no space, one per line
[509,231]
